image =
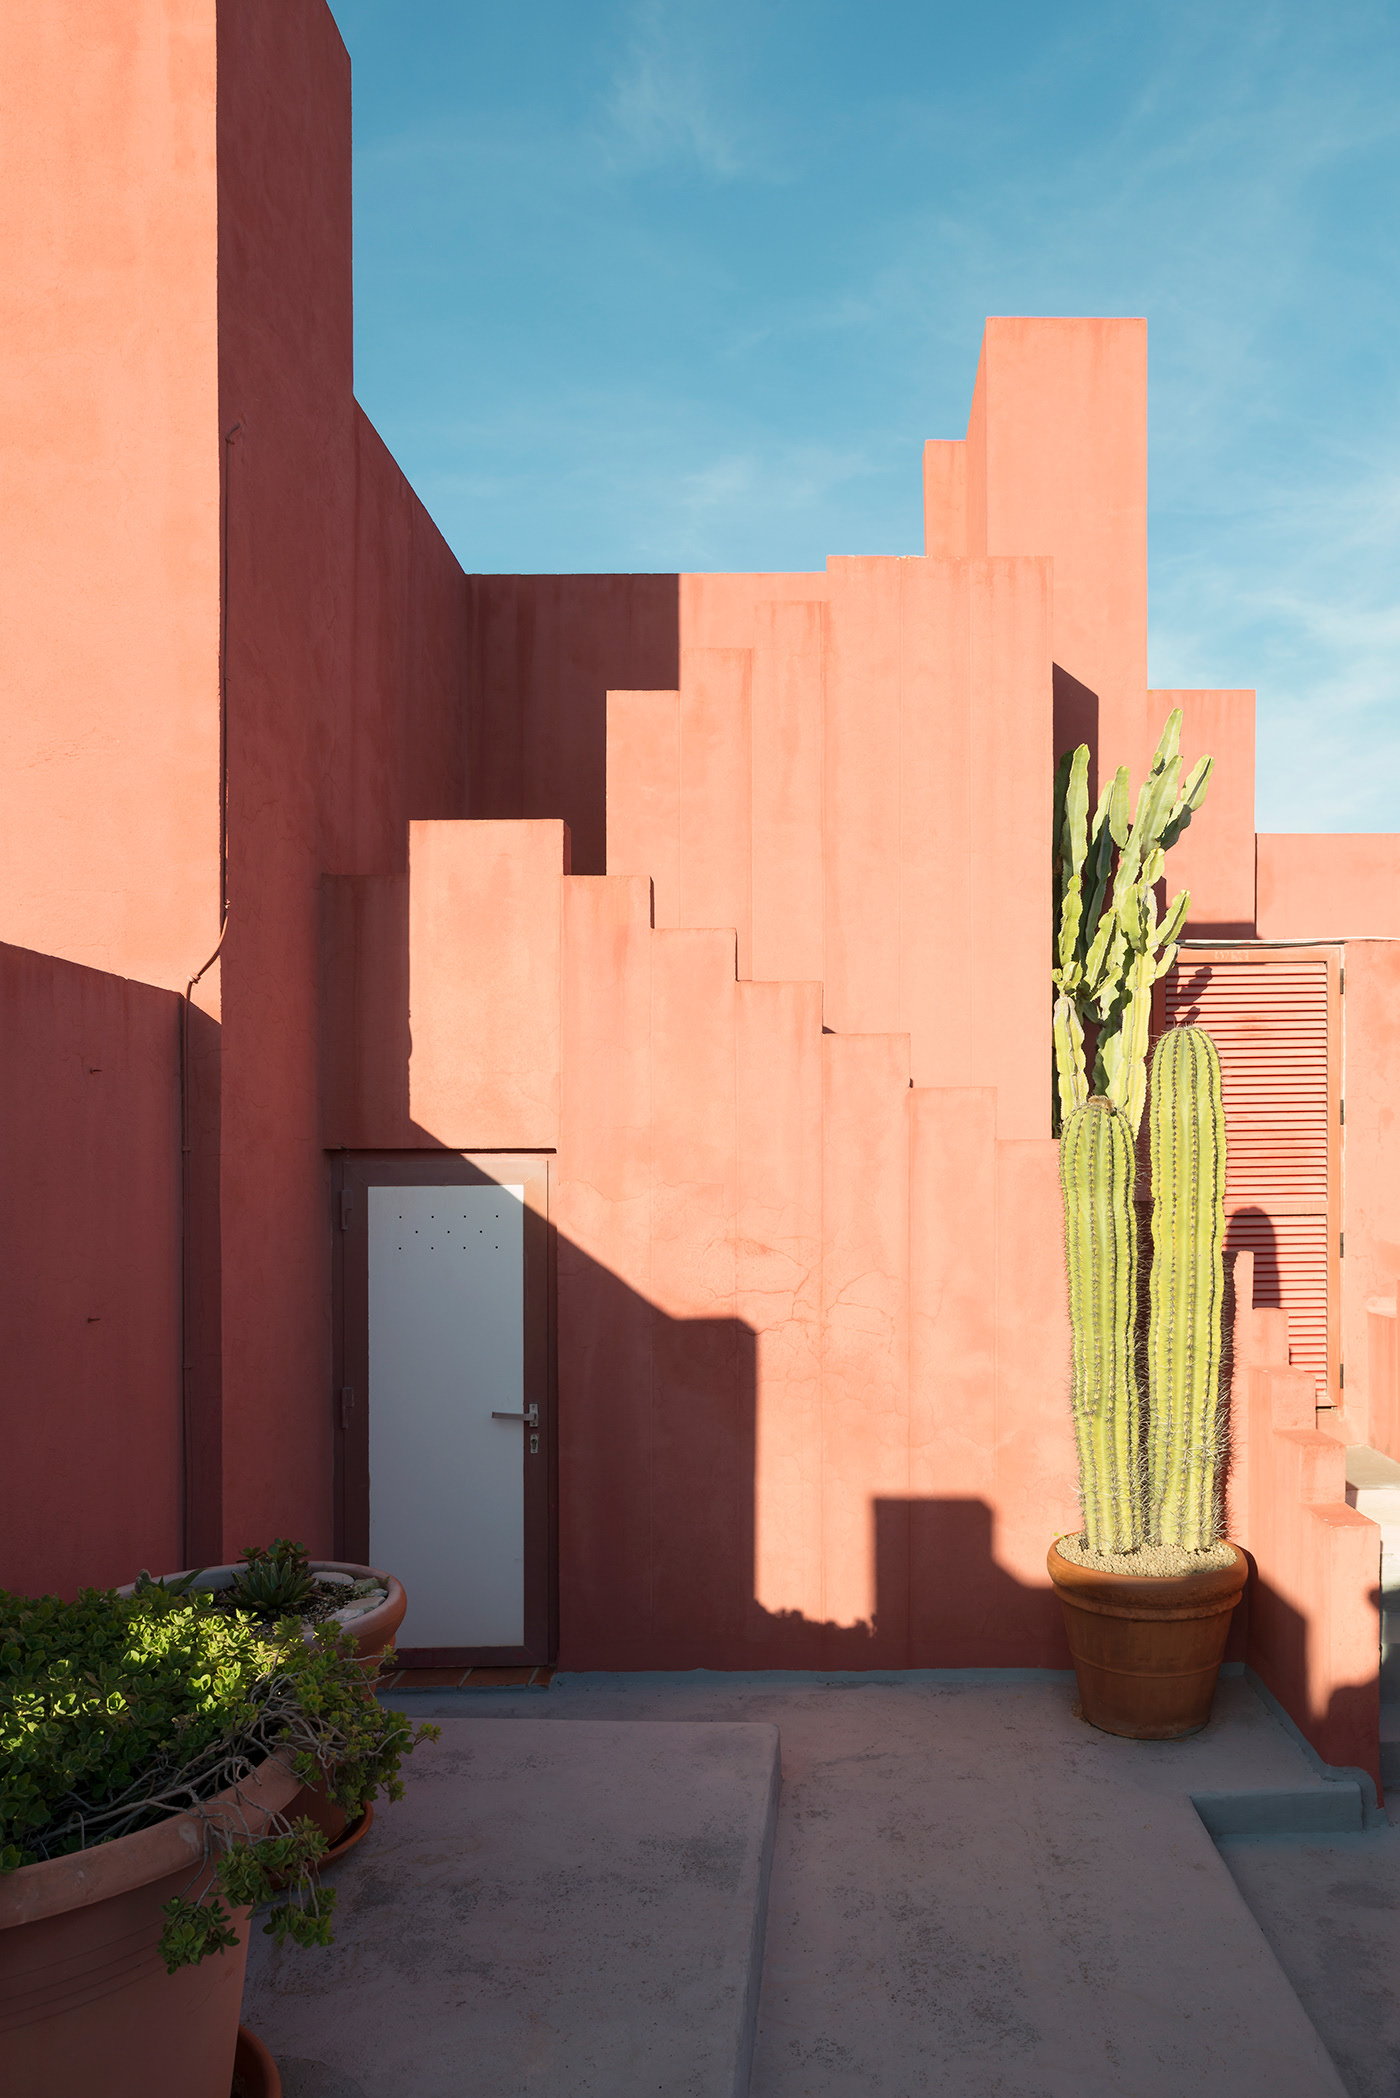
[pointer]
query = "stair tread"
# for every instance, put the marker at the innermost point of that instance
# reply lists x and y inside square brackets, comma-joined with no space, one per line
[1368,1468]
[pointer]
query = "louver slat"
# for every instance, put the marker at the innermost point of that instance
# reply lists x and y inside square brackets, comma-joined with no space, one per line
[1270,1018]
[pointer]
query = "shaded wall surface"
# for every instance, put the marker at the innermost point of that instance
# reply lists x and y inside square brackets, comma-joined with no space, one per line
[1312,1616]
[183,444]
[346,639]
[90,1254]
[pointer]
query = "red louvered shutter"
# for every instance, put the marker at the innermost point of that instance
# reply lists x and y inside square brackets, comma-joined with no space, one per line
[1272,1013]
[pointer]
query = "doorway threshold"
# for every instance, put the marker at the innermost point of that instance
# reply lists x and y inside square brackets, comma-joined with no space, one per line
[522,1678]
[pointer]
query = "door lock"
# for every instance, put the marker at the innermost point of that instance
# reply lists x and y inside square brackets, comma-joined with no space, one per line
[531,1416]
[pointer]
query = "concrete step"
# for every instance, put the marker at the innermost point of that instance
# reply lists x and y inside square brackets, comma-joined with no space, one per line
[976,1894]
[575,1910]
[1373,1485]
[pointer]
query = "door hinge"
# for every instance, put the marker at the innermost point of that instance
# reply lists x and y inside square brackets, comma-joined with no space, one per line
[1342,1113]
[345,1402]
[1341,1245]
[1342,980]
[1341,1376]
[347,1207]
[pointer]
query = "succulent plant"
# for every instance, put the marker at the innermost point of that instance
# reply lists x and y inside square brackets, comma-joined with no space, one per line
[275,1580]
[121,1711]
[1109,946]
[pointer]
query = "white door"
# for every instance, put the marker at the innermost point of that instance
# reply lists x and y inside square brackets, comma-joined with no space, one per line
[446,1361]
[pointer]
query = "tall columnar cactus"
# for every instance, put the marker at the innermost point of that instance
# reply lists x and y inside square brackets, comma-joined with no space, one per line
[1186,1290]
[1110,947]
[1097,1168]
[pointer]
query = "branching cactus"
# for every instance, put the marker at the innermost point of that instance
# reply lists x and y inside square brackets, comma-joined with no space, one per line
[1110,947]
[1186,1128]
[1097,1169]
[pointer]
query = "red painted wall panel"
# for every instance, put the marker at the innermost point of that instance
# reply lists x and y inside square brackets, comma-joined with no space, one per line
[90,1255]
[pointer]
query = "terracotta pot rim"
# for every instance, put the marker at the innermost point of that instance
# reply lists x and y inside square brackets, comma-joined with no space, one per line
[354,1831]
[176,1844]
[251,2053]
[1202,1594]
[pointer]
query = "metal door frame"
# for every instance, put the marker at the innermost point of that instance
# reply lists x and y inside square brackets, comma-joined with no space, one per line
[353,1174]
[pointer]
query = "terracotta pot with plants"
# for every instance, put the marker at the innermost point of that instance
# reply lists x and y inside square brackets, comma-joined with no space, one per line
[279,1580]
[152,1749]
[272,1582]
[1149,1585]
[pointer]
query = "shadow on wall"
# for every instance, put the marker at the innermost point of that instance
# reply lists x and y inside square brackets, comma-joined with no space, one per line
[1281,1651]
[673,1521]
[941,1599]
[1076,721]
[670,1528]
[1251,1231]
[544,653]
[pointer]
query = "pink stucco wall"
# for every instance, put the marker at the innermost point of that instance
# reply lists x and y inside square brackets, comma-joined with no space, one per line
[109,534]
[1372,1190]
[805,1307]
[1055,463]
[1214,856]
[1315,1562]
[731,891]
[90,1255]
[346,637]
[1325,887]
[177,246]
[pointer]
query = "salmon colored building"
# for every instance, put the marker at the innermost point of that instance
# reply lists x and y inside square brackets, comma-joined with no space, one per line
[688,933]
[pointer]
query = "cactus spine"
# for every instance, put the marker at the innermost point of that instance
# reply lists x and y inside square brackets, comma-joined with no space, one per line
[1186,1289]
[1097,1170]
[1109,948]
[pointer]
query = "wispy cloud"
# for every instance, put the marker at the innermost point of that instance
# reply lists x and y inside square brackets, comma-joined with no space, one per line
[1299,596]
[671,101]
[709,272]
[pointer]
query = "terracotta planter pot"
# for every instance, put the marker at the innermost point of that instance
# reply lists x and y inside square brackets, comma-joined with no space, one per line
[372,1631]
[1147,1652]
[354,1832]
[254,2071]
[86,2005]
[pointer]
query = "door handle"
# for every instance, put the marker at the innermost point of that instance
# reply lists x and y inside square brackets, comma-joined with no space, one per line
[531,1416]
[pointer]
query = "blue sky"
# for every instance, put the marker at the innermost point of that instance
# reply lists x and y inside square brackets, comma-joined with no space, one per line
[657,284]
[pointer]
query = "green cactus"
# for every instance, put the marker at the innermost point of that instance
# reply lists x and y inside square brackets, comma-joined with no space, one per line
[1097,1170]
[1109,945]
[1186,1131]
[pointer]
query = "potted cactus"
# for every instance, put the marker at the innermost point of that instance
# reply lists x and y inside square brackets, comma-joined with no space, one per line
[1149,1584]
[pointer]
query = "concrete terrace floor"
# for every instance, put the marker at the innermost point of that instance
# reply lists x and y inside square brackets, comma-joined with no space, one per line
[974,1893]
[1330,1908]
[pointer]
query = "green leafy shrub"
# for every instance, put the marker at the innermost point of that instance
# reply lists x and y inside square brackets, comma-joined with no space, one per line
[116,1712]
